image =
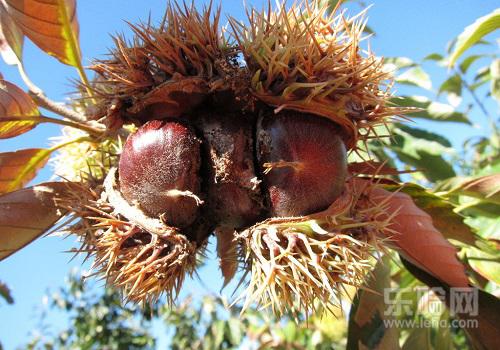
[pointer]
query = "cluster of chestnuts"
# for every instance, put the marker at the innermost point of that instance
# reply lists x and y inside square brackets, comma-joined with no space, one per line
[232,170]
[243,133]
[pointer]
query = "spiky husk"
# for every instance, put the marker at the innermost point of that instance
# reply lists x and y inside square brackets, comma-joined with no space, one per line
[144,265]
[166,70]
[298,264]
[302,58]
[86,160]
[308,59]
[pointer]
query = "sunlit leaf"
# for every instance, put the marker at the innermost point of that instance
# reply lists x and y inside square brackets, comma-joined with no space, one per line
[11,38]
[431,110]
[475,32]
[444,337]
[395,63]
[483,260]
[434,57]
[487,265]
[20,167]
[51,24]
[27,214]
[423,150]
[415,76]
[467,62]
[368,313]
[235,331]
[483,75]
[453,87]
[495,79]
[15,102]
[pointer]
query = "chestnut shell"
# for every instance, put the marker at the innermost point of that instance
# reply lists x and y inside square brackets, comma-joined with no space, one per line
[159,165]
[316,158]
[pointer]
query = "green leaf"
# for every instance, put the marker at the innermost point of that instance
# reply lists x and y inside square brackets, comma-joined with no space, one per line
[395,63]
[485,260]
[218,333]
[423,150]
[368,313]
[15,102]
[475,32]
[453,87]
[479,208]
[487,265]
[27,214]
[235,332]
[467,62]
[495,79]
[431,110]
[444,339]
[415,76]
[483,75]
[427,135]
[434,57]
[20,167]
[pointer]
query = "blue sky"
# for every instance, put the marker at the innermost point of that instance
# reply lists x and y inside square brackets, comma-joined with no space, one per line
[404,28]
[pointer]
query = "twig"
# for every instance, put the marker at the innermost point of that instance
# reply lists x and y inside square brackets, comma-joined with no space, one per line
[477,100]
[43,101]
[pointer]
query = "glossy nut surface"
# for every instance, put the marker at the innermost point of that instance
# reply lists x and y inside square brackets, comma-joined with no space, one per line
[303,161]
[159,171]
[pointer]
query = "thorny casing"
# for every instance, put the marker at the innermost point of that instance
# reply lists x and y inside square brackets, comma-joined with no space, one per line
[159,171]
[303,160]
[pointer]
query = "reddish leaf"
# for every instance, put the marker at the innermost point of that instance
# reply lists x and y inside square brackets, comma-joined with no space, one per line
[15,102]
[27,214]
[485,187]
[417,238]
[20,167]
[11,38]
[51,24]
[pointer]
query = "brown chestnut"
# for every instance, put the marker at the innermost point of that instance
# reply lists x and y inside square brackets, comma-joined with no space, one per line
[303,161]
[159,171]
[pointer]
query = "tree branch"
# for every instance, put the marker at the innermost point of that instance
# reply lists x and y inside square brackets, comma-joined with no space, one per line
[43,101]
